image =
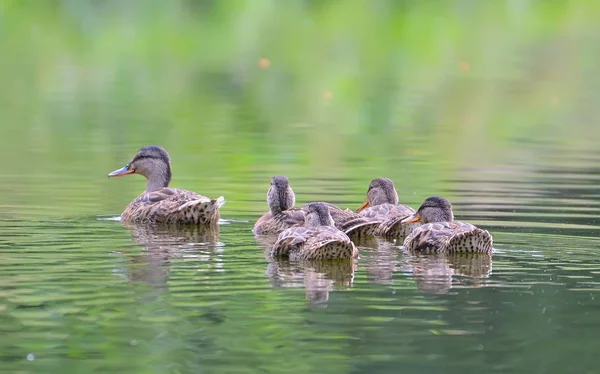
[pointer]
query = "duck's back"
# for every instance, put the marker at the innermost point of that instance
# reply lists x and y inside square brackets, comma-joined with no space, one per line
[449,237]
[270,224]
[172,205]
[384,212]
[314,243]
[389,217]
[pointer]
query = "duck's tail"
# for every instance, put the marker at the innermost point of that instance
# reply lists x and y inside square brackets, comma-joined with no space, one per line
[476,240]
[203,210]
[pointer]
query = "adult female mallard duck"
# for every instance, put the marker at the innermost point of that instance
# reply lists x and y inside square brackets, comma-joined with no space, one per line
[440,233]
[381,205]
[159,203]
[318,239]
[283,215]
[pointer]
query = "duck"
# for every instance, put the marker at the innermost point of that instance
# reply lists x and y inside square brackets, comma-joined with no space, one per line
[316,239]
[283,214]
[159,203]
[439,233]
[382,205]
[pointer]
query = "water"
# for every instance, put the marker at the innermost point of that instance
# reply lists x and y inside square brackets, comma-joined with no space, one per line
[491,105]
[87,294]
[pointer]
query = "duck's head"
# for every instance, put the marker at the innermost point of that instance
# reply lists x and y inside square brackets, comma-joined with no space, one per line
[152,162]
[433,209]
[280,196]
[318,215]
[381,191]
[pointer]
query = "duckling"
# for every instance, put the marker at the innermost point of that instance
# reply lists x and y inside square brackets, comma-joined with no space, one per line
[159,203]
[318,239]
[282,214]
[440,233]
[381,205]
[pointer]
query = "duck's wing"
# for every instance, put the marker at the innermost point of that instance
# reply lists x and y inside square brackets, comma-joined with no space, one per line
[353,224]
[386,211]
[172,205]
[430,237]
[393,226]
[291,240]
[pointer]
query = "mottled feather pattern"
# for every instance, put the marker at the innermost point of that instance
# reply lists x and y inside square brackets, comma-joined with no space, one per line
[171,205]
[389,217]
[270,224]
[352,223]
[314,243]
[345,220]
[449,237]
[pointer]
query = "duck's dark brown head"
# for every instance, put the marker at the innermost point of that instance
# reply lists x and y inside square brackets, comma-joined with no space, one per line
[280,196]
[318,215]
[153,162]
[381,191]
[433,209]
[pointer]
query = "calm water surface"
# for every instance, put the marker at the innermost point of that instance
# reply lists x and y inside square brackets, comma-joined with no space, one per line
[85,294]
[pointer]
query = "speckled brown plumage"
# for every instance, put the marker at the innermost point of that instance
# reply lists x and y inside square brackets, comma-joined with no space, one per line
[173,206]
[317,240]
[441,234]
[159,203]
[273,224]
[381,205]
[449,237]
[282,214]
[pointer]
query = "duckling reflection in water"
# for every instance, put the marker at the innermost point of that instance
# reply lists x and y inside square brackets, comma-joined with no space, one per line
[318,239]
[282,214]
[441,234]
[159,203]
[318,277]
[382,206]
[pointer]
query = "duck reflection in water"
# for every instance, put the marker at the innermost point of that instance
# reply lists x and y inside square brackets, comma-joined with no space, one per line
[437,273]
[318,277]
[163,244]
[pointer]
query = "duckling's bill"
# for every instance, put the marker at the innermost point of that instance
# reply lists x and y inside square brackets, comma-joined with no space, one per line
[411,219]
[127,169]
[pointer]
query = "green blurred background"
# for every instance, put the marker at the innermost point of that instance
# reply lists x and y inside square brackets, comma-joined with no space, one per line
[319,90]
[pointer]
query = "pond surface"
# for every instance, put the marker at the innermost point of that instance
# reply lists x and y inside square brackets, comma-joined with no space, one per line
[87,294]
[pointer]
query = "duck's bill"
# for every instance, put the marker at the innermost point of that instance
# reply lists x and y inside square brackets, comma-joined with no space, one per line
[127,169]
[363,206]
[411,219]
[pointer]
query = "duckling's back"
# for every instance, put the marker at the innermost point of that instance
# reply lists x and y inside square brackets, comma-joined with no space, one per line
[314,243]
[449,237]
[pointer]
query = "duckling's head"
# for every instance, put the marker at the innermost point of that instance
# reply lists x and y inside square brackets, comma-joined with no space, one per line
[280,196]
[381,191]
[433,209]
[318,215]
[152,162]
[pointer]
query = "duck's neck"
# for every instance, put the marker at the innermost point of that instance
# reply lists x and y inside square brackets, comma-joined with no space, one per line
[159,178]
[280,201]
[315,220]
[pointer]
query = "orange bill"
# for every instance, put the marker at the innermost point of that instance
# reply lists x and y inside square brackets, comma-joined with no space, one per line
[363,206]
[127,169]
[412,219]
